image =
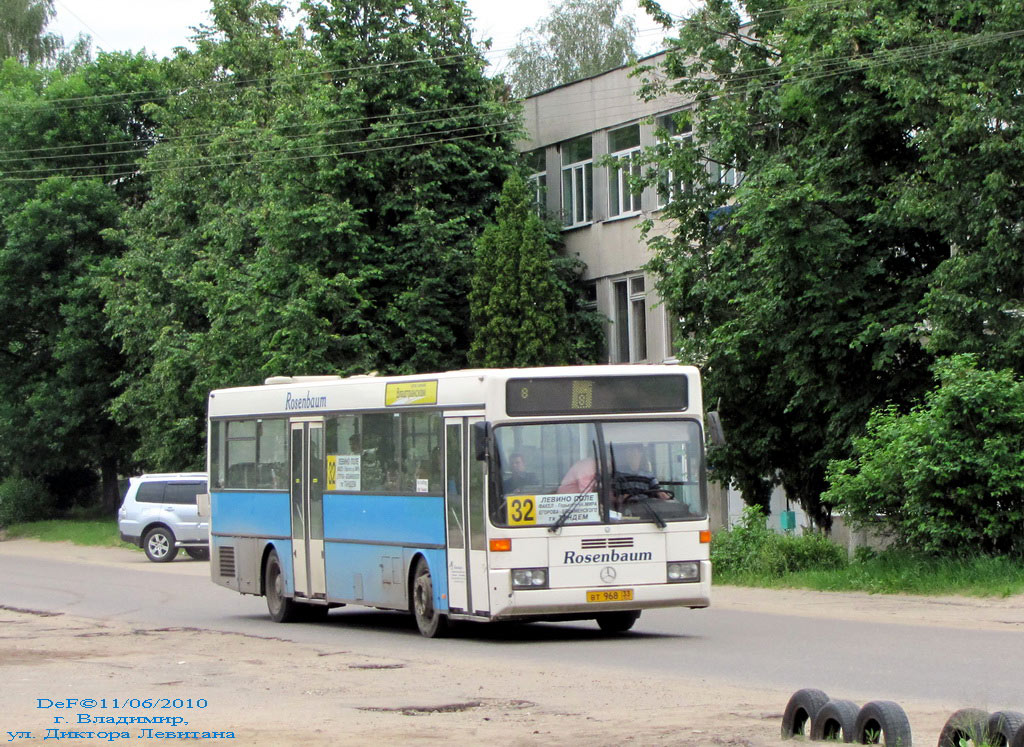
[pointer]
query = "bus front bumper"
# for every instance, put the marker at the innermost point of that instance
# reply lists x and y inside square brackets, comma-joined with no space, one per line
[595,599]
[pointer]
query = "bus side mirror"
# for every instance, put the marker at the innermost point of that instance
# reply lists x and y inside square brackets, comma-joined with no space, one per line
[203,505]
[715,432]
[481,432]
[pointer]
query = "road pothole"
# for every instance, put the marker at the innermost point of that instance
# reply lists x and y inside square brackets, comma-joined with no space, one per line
[421,710]
[450,707]
[376,666]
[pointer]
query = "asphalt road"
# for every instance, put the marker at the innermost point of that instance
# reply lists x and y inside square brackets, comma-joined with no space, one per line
[861,660]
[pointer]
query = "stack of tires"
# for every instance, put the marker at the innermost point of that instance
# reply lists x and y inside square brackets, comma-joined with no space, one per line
[976,727]
[812,714]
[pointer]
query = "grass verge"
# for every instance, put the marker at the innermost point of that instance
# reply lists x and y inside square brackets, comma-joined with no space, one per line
[896,572]
[98,533]
[750,554]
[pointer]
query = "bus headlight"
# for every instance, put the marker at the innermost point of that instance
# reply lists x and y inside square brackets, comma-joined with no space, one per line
[684,572]
[529,578]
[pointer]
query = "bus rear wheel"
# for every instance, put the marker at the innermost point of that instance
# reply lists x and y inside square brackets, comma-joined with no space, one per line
[281,608]
[617,622]
[431,623]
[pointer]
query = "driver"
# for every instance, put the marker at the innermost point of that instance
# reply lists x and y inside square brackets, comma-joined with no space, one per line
[633,478]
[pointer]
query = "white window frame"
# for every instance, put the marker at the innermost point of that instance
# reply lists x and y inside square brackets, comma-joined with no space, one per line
[672,186]
[538,182]
[622,200]
[721,173]
[629,325]
[577,188]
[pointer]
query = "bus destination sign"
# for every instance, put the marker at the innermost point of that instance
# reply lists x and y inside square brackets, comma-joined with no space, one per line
[576,395]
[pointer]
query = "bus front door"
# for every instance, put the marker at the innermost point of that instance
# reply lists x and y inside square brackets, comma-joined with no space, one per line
[307,502]
[465,515]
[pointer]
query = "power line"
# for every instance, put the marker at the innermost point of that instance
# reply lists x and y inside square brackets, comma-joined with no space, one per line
[393,118]
[153,95]
[156,95]
[155,163]
[824,68]
[136,171]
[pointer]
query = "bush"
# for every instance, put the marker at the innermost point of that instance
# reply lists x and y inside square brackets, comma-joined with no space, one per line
[750,549]
[22,499]
[947,478]
[811,552]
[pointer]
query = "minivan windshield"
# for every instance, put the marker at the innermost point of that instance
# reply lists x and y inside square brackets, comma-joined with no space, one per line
[553,474]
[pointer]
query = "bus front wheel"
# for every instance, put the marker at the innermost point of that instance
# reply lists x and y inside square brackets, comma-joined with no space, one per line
[617,622]
[281,608]
[431,623]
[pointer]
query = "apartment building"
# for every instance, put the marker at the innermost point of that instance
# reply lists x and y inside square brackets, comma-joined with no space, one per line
[571,128]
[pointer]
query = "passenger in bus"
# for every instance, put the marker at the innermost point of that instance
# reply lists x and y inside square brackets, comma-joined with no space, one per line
[581,477]
[632,476]
[519,478]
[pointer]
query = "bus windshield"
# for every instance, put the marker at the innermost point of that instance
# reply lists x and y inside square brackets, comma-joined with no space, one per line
[598,472]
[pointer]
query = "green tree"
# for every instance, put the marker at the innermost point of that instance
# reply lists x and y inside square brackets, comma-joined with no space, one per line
[524,307]
[948,476]
[313,208]
[579,39]
[22,31]
[808,290]
[61,194]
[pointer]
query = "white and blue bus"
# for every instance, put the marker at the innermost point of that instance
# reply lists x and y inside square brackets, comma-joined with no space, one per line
[519,494]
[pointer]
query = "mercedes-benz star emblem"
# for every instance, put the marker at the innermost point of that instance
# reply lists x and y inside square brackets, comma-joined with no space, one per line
[608,574]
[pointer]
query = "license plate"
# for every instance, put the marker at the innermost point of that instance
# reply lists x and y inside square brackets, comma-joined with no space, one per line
[610,595]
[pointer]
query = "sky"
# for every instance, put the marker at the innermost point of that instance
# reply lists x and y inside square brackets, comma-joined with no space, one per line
[159,27]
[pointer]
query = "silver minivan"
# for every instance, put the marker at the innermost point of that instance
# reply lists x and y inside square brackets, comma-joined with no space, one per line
[159,514]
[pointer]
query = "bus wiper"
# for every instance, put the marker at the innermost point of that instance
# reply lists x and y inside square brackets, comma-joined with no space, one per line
[579,497]
[654,514]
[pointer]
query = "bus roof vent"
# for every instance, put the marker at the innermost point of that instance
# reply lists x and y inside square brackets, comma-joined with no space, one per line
[299,379]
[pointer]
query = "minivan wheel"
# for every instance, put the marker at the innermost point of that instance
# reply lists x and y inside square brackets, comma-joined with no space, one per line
[159,545]
[198,553]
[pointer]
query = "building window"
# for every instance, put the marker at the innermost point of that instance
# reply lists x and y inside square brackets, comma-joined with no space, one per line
[536,162]
[577,182]
[671,184]
[672,323]
[724,174]
[623,148]
[629,321]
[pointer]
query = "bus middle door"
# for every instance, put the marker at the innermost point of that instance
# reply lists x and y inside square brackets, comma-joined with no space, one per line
[465,517]
[308,472]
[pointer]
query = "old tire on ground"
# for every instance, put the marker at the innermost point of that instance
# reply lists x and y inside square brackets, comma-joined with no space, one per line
[1003,727]
[198,553]
[800,711]
[159,545]
[882,722]
[617,622]
[836,719]
[967,724]
[432,624]
[281,608]
[1018,740]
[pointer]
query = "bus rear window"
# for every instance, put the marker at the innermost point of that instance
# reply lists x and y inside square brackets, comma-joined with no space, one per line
[606,394]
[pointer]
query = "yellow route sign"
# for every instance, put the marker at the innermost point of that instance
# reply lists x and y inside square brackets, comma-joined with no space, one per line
[411,393]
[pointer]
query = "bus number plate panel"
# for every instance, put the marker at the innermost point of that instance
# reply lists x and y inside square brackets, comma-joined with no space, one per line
[610,595]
